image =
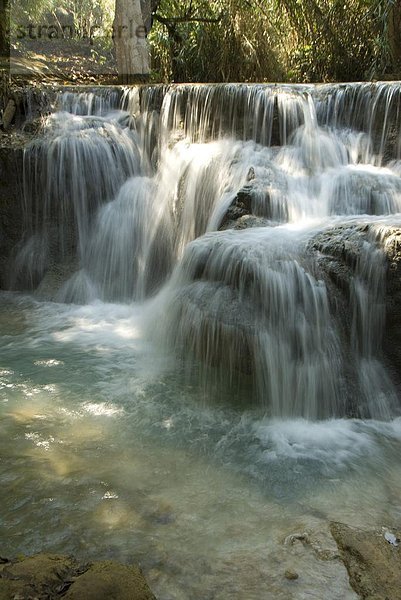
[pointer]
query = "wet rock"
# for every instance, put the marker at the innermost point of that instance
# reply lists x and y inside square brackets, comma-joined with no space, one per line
[251,174]
[9,114]
[52,576]
[291,575]
[297,537]
[373,565]
[262,201]
[11,209]
[337,251]
[253,207]
[55,277]
[42,575]
[34,126]
[218,326]
[249,221]
[162,514]
[108,580]
[390,240]
[240,206]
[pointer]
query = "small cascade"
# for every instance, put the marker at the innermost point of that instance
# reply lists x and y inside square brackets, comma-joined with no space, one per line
[372,108]
[266,114]
[250,302]
[78,164]
[143,106]
[229,205]
[368,320]
[100,101]
[129,250]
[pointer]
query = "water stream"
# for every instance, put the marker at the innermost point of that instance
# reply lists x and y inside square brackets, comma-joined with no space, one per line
[179,386]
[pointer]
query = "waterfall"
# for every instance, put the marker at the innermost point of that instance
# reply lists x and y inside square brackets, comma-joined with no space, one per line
[248,301]
[79,164]
[220,203]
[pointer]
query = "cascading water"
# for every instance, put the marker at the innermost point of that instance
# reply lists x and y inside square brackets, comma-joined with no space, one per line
[125,218]
[217,258]
[81,165]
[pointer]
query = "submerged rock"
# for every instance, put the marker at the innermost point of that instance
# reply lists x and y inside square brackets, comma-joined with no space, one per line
[373,564]
[51,576]
[291,575]
[108,579]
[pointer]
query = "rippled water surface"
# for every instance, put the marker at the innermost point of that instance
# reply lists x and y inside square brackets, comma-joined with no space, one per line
[104,454]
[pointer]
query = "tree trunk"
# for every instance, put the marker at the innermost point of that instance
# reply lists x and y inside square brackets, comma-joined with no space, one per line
[132,51]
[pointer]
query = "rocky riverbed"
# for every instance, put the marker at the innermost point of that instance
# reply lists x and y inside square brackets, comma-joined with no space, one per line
[371,557]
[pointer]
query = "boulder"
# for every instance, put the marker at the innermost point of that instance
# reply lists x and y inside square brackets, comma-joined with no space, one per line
[53,576]
[108,580]
[372,560]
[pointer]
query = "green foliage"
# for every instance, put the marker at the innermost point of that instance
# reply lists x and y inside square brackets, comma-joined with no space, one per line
[250,40]
[214,41]
[265,40]
[334,42]
[91,12]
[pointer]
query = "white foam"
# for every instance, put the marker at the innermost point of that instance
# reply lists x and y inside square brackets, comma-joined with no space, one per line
[335,443]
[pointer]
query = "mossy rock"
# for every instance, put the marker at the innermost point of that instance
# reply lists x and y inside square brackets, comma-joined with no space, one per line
[373,564]
[52,576]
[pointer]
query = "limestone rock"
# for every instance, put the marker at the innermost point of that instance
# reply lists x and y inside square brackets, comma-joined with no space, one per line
[107,580]
[291,575]
[337,251]
[248,221]
[373,564]
[240,207]
[42,575]
[52,576]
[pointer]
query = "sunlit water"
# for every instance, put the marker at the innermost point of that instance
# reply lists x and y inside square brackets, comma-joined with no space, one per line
[104,453]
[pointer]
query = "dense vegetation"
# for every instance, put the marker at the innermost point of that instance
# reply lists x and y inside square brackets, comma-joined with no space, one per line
[293,40]
[256,40]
